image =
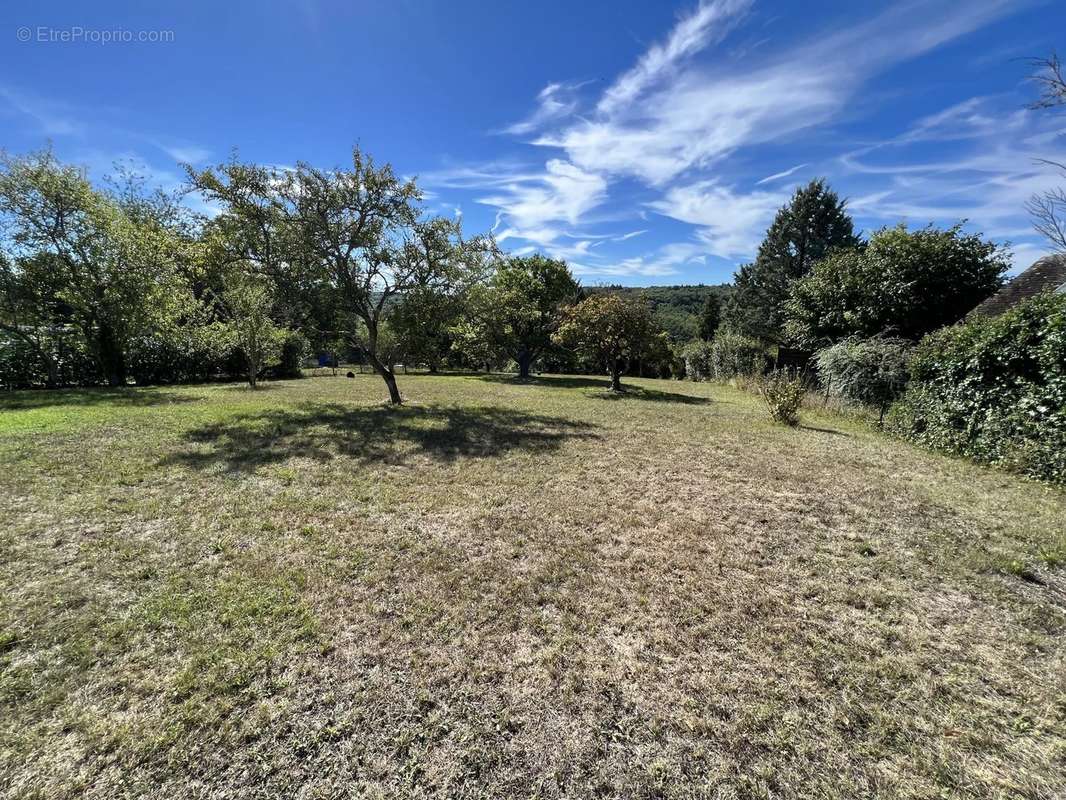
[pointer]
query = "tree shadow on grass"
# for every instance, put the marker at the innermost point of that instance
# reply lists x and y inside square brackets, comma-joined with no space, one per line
[830,431]
[556,381]
[23,400]
[629,391]
[323,432]
[654,395]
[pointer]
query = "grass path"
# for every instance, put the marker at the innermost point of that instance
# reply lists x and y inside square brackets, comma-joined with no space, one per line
[503,589]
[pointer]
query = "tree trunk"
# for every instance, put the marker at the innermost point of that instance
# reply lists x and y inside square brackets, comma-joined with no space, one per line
[253,373]
[524,359]
[53,372]
[394,391]
[388,376]
[112,359]
[616,375]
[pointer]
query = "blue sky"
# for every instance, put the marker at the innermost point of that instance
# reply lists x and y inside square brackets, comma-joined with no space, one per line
[644,142]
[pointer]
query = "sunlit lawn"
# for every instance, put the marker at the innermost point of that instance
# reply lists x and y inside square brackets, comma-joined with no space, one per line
[505,589]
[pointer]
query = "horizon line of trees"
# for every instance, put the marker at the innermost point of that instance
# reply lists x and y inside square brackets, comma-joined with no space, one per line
[104,284]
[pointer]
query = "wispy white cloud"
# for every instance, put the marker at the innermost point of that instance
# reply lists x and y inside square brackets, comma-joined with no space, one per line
[666,126]
[987,168]
[778,175]
[52,118]
[538,206]
[562,193]
[554,101]
[729,224]
[185,153]
[662,118]
[708,23]
[659,263]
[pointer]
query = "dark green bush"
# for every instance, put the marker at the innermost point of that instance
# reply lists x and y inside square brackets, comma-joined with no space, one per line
[993,390]
[294,349]
[182,355]
[737,356]
[60,361]
[728,356]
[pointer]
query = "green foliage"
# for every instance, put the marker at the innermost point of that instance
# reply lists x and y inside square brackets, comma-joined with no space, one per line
[737,356]
[516,313]
[783,394]
[674,309]
[355,238]
[608,328]
[185,353]
[423,321]
[805,231]
[710,317]
[58,357]
[873,372]
[294,349]
[107,265]
[729,356]
[994,390]
[249,302]
[699,360]
[903,283]
[473,343]
[661,358]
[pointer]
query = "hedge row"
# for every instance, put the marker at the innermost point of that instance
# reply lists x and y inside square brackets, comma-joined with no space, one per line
[993,390]
[184,355]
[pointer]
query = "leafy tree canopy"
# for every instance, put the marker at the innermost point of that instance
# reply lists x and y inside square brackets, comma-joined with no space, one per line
[903,283]
[356,235]
[806,230]
[710,317]
[521,307]
[608,328]
[106,263]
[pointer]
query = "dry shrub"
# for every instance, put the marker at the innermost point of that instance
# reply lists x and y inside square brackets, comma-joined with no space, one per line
[783,392]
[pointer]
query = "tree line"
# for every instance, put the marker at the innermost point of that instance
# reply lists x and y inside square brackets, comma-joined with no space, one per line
[119,282]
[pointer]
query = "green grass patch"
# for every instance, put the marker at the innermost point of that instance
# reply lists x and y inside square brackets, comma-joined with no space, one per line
[504,588]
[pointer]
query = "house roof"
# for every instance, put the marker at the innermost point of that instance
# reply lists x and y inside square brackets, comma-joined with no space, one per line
[1047,274]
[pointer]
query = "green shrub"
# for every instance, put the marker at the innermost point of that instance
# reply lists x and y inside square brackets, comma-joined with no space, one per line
[61,360]
[294,349]
[698,356]
[993,390]
[728,356]
[736,356]
[783,393]
[873,372]
[181,355]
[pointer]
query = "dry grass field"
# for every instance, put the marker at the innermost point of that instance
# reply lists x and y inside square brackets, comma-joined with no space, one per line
[514,590]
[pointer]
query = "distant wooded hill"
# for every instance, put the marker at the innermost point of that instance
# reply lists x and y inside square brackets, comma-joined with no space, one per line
[676,309]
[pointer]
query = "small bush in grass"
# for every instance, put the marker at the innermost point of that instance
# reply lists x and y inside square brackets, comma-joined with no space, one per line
[783,392]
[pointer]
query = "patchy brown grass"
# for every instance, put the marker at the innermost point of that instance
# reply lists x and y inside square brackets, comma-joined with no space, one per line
[504,589]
